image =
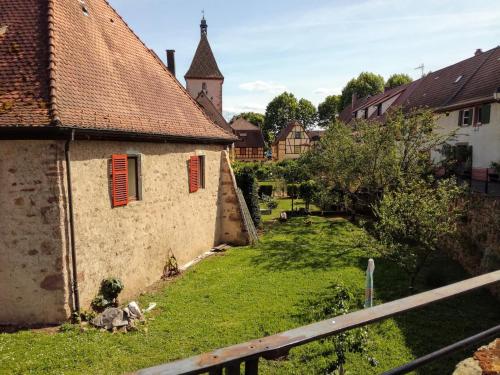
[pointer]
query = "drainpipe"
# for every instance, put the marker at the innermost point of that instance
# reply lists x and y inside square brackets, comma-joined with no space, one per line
[76,294]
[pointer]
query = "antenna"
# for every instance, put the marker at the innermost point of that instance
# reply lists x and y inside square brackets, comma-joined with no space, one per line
[203,13]
[421,67]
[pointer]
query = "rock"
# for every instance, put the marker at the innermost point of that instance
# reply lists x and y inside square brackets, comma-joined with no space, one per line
[110,318]
[468,366]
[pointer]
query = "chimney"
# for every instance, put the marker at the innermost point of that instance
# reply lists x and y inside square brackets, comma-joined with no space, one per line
[171,61]
[478,52]
[354,99]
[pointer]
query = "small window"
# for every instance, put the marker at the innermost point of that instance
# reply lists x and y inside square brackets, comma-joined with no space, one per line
[125,179]
[298,135]
[204,86]
[296,149]
[201,172]
[483,114]
[379,109]
[366,114]
[465,117]
[242,134]
[133,178]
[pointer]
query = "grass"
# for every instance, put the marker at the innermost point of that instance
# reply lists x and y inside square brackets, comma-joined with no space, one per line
[284,204]
[252,292]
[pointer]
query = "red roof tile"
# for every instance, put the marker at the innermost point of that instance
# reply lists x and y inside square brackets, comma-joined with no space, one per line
[204,65]
[101,75]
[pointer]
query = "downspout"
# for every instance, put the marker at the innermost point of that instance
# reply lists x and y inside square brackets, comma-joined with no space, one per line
[76,294]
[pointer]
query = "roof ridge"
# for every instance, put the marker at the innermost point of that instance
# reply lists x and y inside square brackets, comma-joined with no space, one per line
[53,108]
[162,65]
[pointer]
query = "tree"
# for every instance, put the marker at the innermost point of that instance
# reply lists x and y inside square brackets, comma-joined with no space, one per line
[397,79]
[360,162]
[246,181]
[279,112]
[307,189]
[328,110]
[414,219]
[253,117]
[365,84]
[307,113]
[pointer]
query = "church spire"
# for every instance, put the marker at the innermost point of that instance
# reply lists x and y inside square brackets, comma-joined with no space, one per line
[203,24]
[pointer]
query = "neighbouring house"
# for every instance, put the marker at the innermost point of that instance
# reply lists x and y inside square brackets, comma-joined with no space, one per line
[251,144]
[315,136]
[291,142]
[466,99]
[107,165]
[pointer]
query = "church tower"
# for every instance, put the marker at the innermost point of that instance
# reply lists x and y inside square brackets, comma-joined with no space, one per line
[204,76]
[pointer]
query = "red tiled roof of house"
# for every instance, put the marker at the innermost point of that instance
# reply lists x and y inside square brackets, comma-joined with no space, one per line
[286,130]
[212,112]
[250,135]
[78,65]
[204,65]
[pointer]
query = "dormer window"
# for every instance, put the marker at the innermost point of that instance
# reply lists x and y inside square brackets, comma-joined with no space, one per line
[458,78]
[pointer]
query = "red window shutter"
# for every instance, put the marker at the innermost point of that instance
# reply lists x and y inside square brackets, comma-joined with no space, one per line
[193,174]
[119,165]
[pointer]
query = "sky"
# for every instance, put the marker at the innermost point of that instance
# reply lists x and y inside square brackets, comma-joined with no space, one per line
[312,48]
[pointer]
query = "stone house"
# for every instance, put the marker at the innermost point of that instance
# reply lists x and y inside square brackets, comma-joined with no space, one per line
[291,142]
[107,165]
[466,99]
[251,144]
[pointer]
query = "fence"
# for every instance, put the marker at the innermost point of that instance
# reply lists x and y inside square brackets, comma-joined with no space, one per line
[249,353]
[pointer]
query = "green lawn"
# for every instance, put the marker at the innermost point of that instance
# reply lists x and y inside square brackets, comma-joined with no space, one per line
[247,293]
[284,204]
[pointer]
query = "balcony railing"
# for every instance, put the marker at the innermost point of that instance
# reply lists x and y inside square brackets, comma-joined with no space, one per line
[275,346]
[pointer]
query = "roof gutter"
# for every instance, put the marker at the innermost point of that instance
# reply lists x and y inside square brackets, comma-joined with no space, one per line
[466,103]
[76,292]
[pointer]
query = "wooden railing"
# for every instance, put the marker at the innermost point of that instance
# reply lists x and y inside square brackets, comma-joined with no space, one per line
[275,346]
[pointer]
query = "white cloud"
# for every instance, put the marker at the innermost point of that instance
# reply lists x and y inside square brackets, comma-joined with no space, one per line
[325,91]
[263,86]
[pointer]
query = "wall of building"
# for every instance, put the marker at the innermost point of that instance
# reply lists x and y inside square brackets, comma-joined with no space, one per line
[286,149]
[249,154]
[484,139]
[134,242]
[34,284]
[214,90]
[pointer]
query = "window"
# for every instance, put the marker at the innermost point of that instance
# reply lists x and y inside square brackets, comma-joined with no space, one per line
[379,109]
[483,114]
[366,113]
[242,134]
[204,86]
[201,171]
[126,179]
[465,117]
[243,151]
[298,135]
[296,149]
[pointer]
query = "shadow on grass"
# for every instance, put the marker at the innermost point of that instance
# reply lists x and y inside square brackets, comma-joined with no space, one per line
[440,324]
[320,245]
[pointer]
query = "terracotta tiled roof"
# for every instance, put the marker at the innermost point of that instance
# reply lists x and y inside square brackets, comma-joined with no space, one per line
[80,66]
[286,130]
[204,64]
[250,135]
[472,80]
[212,112]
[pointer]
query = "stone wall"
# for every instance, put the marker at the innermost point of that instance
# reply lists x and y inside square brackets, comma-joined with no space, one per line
[477,244]
[232,228]
[133,242]
[33,265]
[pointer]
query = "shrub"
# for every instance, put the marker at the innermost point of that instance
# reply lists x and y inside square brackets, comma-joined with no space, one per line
[272,204]
[108,294]
[307,190]
[266,190]
[292,190]
[245,178]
